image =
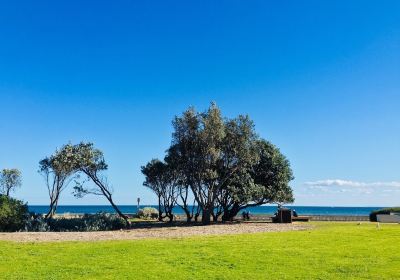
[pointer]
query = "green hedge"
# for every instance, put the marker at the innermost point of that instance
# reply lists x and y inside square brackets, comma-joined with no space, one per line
[372,216]
[88,222]
[13,214]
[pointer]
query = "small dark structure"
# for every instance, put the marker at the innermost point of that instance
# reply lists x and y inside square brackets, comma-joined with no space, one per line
[284,215]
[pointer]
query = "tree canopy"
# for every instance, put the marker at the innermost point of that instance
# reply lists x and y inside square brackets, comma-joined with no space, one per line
[58,170]
[163,181]
[225,164]
[67,164]
[10,179]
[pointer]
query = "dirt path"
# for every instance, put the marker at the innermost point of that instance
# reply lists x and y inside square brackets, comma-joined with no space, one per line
[152,232]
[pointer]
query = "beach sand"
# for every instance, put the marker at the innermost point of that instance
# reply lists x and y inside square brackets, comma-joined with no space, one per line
[154,230]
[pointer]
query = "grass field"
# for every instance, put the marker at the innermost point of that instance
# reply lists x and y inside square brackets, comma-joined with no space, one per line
[329,251]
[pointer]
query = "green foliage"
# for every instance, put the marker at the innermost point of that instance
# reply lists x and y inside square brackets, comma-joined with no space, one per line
[373,218]
[10,179]
[223,163]
[162,179]
[273,173]
[88,159]
[155,176]
[209,151]
[89,222]
[62,162]
[70,161]
[13,214]
[148,213]
[58,170]
[36,223]
[329,251]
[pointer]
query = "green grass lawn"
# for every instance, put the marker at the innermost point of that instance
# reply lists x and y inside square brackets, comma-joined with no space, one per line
[330,251]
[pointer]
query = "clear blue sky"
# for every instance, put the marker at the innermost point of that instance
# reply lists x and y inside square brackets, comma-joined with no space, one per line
[321,80]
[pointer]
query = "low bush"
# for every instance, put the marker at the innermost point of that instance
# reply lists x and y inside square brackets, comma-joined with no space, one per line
[373,218]
[13,214]
[88,222]
[104,221]
[36,222]
[148,213]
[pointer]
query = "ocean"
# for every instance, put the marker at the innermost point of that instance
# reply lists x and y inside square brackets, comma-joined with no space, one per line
[259,210]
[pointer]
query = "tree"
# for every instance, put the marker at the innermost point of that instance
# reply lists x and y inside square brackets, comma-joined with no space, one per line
[210,151]
[153,172]
[10,179]
[195,139]
[240,153]
[90,161]
[163,181]
[224,165]
[182,156]
[267,181]
[184,193]
[274,173]
[58,171]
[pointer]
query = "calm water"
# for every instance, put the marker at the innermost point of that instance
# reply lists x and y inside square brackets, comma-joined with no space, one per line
[301,210]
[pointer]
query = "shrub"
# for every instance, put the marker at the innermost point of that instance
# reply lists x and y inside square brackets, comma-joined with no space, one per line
[373,218]
[104,221]
[148,213]
[36,222]
[13,214]
[89,222]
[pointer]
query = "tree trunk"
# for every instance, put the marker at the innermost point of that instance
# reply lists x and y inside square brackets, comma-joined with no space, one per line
[51,211]
[49,214]
[107,194]
[188,215]
[55,207]
[185,207]
[215,216]
[123,216]
[160,212]
[229,214]
[206,216]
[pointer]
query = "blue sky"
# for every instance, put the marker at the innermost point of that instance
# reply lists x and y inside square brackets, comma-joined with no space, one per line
[321,80]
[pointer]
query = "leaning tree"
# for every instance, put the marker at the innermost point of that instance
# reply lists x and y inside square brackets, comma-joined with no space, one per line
[58,170]
[90,161]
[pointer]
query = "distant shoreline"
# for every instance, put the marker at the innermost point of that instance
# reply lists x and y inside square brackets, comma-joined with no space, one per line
[255,211]
[255,217]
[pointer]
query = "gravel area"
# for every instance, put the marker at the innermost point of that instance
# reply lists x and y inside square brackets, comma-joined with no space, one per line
[153,231]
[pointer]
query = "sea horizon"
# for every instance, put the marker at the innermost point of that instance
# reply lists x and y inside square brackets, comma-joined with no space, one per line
[257,210]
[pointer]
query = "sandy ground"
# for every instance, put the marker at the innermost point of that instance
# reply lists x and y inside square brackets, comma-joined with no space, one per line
[153,231]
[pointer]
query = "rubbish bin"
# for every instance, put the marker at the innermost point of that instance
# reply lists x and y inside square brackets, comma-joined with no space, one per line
[284,215]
